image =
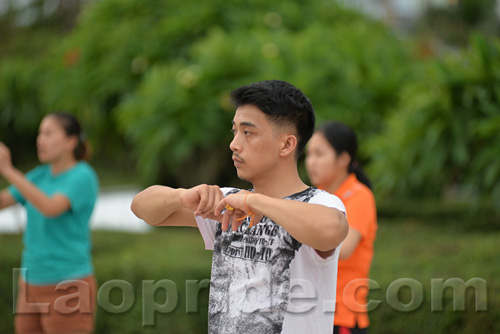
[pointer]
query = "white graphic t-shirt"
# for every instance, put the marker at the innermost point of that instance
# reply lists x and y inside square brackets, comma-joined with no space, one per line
[265,281]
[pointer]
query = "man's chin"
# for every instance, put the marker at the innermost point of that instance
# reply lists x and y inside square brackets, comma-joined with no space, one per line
[241,175]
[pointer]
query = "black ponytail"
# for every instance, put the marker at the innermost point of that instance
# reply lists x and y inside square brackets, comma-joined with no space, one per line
[360,173]
[343,139]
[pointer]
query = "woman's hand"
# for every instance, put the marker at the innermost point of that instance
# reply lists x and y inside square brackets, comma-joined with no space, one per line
[5,158]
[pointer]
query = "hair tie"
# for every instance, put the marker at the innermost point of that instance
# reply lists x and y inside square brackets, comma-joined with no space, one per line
[250,213]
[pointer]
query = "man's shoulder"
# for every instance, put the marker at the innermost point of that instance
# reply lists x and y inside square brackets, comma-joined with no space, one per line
[322,197]
[309,194]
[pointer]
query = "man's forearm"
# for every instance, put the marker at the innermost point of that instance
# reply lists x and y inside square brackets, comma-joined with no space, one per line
[317,226]
[156,204]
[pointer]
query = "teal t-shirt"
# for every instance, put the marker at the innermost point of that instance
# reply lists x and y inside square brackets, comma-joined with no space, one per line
[58,248]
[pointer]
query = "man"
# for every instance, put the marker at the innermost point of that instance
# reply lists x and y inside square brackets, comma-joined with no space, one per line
[275,248]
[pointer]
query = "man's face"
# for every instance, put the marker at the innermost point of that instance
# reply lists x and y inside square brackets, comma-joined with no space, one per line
[256,143]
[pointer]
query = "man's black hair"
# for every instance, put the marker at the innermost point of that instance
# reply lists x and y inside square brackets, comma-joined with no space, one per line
[283,103]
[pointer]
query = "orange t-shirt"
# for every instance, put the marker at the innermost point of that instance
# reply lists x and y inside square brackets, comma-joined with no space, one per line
[353,272]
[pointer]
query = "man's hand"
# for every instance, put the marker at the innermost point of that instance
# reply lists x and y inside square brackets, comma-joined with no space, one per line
[236,209]
[202,200]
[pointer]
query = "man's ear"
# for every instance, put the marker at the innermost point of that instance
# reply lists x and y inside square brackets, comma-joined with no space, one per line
[288,145]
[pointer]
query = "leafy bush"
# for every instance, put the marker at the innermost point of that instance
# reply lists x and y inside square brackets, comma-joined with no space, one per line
[150,82]
[174,63]
[443,137]
[180,116]
[21,109]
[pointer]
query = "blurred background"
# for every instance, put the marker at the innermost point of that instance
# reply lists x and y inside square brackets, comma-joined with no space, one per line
[418,80]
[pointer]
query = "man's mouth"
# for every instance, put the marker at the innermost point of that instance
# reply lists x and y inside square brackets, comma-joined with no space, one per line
[237,160]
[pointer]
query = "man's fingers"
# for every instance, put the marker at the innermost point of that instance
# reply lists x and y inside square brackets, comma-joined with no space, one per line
[208,197]
[225,219]
[225,222]
[220,206]
[236,224]
[210,202]
[215,197]
[202,195]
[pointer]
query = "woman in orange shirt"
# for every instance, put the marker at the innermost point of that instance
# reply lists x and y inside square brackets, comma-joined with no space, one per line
[331,164]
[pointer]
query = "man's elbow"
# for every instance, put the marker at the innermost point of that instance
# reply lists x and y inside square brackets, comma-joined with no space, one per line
[141,205]
[133,206]
[337,232]
[136,205]
[343,226]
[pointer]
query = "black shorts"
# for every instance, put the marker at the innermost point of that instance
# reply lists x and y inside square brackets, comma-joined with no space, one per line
[347,330]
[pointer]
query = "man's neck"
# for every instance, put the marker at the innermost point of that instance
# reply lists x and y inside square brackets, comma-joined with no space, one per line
[280,183]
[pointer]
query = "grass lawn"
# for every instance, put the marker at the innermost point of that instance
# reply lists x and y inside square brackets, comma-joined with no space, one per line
[417,253]
[141,272]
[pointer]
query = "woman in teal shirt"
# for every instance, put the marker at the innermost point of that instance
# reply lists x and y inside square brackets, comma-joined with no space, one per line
[57,287]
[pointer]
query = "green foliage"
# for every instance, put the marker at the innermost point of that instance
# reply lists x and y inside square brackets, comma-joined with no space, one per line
[150,82]
[18,95]
[154,77]
[181,111]
[168,123]
[443,136]
[20,101]
[474,11]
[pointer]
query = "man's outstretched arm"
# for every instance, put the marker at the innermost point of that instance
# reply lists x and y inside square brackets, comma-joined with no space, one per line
[165,206]
[318,226]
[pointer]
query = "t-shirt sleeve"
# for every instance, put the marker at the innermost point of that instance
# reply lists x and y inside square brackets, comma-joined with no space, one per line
[362,212]
[16,195]
[80,189]
[329,200]
[208,227]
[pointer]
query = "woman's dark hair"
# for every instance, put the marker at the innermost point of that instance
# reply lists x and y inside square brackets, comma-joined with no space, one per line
[283,103]
[72,128]
[343,139]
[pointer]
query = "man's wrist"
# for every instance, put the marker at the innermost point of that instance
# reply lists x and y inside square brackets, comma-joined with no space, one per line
[252,201]
[178,194]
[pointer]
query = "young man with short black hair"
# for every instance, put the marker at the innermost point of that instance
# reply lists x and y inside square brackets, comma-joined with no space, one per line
[275,247]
